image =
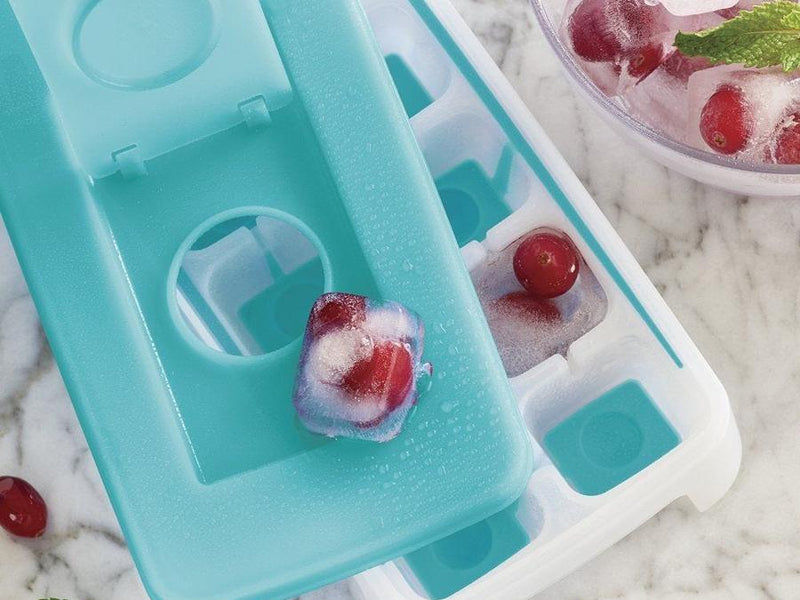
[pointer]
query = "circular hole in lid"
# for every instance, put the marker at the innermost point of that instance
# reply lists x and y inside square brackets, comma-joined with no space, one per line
[245,285]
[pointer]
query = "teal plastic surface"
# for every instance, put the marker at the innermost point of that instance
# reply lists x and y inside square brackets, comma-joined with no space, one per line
[413,94]
[446,566]
[610,439]
[219,492]
[473,202]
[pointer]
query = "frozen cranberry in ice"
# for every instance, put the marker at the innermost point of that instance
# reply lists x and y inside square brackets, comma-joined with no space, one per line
[336,311]
[359,367]
[644,60]
[787,142]
[387,373]
[726,122]
[524,306]
[593,38]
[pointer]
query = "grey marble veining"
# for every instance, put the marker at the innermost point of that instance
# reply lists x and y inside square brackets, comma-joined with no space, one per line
[728,266]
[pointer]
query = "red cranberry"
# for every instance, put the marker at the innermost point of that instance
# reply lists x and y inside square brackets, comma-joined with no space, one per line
[387,375]
[643,61]
[725,122]
[787,144]
[599,29]
[729,13]
[592,37]
[22,510]
[546,263]
[335,311]
[681,67]
[525,306]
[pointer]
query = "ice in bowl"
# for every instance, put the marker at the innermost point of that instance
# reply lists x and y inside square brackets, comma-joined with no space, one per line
[628,49]
[709,88]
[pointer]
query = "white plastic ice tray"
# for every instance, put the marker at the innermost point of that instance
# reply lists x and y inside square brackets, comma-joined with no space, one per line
[478,135]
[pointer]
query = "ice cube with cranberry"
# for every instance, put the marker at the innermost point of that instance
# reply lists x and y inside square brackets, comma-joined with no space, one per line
[743,112]
[359,367]
[539,296]
[617,42]
[626,48]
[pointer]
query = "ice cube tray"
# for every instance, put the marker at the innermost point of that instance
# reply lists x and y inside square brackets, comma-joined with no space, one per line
[137,141]
[626,420]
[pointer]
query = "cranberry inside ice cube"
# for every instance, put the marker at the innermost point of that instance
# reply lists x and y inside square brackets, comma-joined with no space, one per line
[787,143]
[335,311]
[726,122]
[384,378]
[604,30]
[644,60]
[524,305]
[592,36]
[359,366]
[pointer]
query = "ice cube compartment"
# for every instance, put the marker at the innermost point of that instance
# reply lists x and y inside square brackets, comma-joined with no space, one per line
[663,424]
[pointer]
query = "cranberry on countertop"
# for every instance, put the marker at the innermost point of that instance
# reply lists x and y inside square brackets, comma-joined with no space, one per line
[22,510]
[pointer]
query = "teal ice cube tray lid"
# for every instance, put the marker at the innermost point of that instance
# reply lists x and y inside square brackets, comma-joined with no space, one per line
[137,139]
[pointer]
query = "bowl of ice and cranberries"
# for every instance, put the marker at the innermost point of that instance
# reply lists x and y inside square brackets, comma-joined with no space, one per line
[710,88]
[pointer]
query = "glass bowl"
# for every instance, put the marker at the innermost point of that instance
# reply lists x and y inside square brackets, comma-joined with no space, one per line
[737,176]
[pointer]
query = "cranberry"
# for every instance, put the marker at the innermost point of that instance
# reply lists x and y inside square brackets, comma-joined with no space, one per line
[787,144]
[546,263]
[681,67]
[643,61]
[729,13]
[335,311]
[725,122]
[592,37]
[22,510]
[525,306]
[387,375]
[600,29]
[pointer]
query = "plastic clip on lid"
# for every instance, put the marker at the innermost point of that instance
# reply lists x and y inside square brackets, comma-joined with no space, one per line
[127,93]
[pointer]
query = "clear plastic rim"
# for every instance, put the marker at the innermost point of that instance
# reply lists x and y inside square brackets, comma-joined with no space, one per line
[588,86]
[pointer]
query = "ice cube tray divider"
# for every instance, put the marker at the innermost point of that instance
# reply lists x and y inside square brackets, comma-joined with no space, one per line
[475,117]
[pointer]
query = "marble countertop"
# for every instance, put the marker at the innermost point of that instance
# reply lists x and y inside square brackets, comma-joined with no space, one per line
[725,265]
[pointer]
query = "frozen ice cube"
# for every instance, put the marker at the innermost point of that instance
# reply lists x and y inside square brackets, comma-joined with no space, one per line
[359,367]
[527,329]
[783,146]
[662,99]
[765,99]
[617,42]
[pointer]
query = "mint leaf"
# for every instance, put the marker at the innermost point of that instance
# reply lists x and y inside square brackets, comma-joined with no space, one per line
[768,35]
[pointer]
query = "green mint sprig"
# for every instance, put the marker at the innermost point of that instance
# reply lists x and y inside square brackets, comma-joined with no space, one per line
[767,36]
